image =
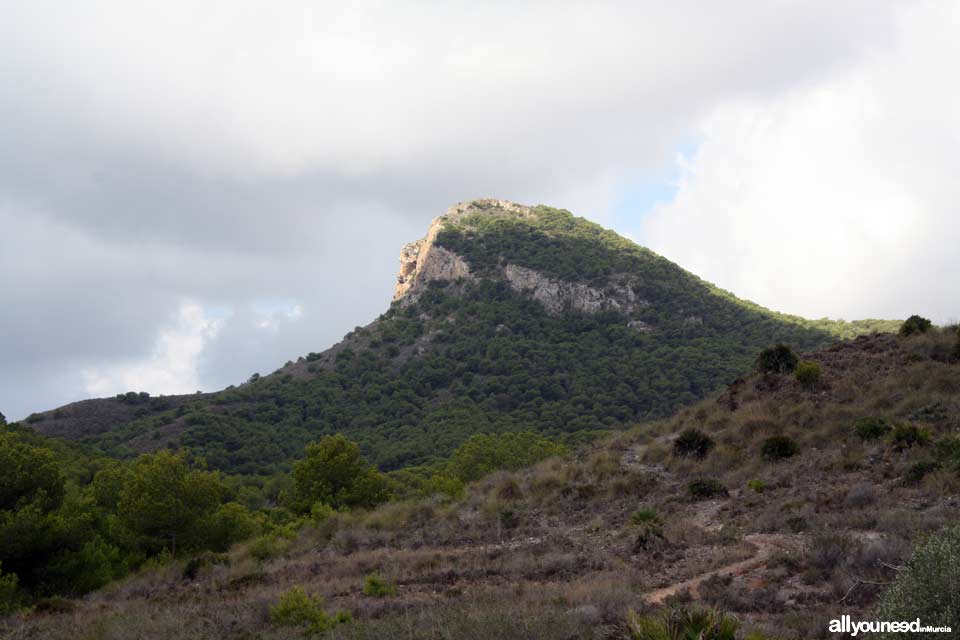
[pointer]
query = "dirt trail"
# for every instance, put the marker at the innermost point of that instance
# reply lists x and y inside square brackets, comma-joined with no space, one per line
[765,544]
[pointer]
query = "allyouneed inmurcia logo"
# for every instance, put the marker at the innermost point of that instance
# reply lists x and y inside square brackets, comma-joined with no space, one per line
[844,624]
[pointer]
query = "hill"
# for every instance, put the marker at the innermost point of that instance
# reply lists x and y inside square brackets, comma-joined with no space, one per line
[784,500]
[505,318]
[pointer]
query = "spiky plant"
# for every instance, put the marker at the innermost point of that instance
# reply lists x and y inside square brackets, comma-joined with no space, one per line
[684,624]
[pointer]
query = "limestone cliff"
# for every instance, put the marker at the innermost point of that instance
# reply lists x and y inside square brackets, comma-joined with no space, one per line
[424,261]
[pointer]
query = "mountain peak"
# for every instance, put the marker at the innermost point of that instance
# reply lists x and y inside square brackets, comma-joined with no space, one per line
[422,260]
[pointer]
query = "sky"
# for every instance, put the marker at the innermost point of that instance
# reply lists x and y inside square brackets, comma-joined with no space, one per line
[193,192]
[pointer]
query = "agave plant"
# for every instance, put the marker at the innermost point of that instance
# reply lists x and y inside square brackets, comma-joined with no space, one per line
[684,624]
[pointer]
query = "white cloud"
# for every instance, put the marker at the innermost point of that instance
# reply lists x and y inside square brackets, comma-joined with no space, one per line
[170,369]
[837,198]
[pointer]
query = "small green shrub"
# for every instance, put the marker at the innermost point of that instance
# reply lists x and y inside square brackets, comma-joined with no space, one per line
[915,325]
[9,600]
[376,587]
[906,435]
[267,547]
[692,443]
[777,359]
[927,586]
[683,624]
[297,609]
[778,448]
[759,486]
[203,561]
[706,488]
[919,470]
[647,516]
[870,428]
[808,373]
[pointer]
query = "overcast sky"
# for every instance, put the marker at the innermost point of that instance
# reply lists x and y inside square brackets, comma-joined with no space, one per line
[191,192]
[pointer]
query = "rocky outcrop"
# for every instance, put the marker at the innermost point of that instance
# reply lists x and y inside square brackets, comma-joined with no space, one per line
[559,295]
[424,261]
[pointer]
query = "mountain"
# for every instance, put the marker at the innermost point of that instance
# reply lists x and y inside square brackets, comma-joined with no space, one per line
[505,317]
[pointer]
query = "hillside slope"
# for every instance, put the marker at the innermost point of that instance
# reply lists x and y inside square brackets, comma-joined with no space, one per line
[565,549]
[506,317]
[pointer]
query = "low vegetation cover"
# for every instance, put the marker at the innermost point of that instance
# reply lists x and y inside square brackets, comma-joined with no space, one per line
[569,546]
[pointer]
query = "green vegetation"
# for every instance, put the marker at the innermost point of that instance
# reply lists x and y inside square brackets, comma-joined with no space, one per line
[906,435]
[778,448]
[335,474]
[484,453]
[684,624]
[777,359]
[927,586]
[297,609]
[692,443]
[758,486]
[706,488]
[871,428]
[915,325]
[808,373]
[477,357]
[647,516]
[376,587]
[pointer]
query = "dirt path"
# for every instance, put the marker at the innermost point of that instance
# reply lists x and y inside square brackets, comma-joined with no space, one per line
[765,544]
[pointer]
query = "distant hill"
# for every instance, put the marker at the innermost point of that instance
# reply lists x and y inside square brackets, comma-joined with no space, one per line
[505,317]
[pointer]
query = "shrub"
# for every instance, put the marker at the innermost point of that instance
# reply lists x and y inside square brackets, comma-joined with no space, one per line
[915,325]
[777,359]
[860,495]
[870,428]
[203,561]
[8,592]
[927,586]
[706,488]
[376,587]
[759,486]
[296,608]
[267,547]
[778,448]
[646,516]
[906,435]
[808,373]
[692,443]
[919,470]
[335,473]
[683,624]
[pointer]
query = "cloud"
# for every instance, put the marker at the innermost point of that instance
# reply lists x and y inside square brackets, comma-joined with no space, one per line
[835,199]
[170,369]
[237,153]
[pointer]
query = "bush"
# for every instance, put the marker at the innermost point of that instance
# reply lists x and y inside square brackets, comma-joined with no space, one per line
[759,486]
[778,448]
[907,435]
[869,428]
[706,488]
[919,470]
[777,359]
[267,547]
[646,516]
[296,609]
[692,443]
[927,586]
[203,561]
[376,587]
[915,325]
[683,624]
[8,592]
[335,473]
[808,373]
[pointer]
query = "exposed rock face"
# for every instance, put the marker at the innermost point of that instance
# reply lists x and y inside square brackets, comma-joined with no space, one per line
[559,295]
[423,261]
